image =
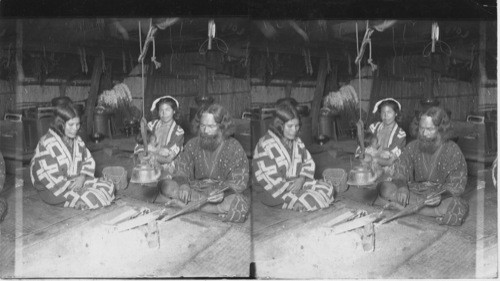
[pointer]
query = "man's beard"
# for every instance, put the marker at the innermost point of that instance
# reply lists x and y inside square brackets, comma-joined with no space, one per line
[210,142]
[429,145]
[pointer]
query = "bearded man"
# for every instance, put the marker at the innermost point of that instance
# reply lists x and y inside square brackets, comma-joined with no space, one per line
[209,163]
[428,165]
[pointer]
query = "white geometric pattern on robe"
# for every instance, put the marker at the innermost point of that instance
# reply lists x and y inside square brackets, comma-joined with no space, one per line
[275,150]
[315,194]
[96,193]
[376,127]
[293,162]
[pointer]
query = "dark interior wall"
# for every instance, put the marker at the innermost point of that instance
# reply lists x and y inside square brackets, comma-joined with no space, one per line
[7,97]
[181,77]
[412,79]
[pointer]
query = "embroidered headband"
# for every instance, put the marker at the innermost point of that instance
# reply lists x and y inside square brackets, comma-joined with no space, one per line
[153,106]
[375,108]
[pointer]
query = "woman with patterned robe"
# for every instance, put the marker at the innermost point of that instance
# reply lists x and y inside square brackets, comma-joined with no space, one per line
[62,169]
[284,169]
[167,137]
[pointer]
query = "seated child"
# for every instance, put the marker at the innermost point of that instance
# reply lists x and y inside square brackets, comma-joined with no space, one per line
[157,155]
[373,155]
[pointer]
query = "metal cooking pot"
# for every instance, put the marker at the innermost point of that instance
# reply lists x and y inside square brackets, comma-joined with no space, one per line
[144,173]
[360,176]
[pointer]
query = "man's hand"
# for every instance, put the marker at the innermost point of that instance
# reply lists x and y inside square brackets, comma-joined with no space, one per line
[77,183]
[184,193]
[166,156]
[403,195]
[433,200]
[216,196]
[429,184]
[296,185]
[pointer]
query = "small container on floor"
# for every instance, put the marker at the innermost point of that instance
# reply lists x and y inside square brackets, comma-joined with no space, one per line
[116,174]
[337,178]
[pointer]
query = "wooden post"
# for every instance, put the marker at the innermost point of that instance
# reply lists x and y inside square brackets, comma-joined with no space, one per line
[288,90]
[62,88]
[318,95]
[483,77]
[93,92]
[333,83]
[19,60]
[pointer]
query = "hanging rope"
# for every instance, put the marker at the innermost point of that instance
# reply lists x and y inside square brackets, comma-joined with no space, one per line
[142,70]
[359,124]
[357,40]
[171,49]
[361,50]
[140,36]
[153,58]
[359,70]
[393,59]
[150,38]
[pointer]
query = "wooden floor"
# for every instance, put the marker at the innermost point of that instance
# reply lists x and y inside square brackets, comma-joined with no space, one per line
[40,241]
[301,245]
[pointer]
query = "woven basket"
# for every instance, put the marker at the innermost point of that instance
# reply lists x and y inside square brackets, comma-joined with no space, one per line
[337,178]
[116,174]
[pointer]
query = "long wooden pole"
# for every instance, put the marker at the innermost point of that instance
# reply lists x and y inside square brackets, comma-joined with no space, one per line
[93,92]
[19,60]
[318,94]
[482,53]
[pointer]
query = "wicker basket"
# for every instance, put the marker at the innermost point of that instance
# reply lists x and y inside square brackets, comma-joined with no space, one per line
[337,178]
[116,174]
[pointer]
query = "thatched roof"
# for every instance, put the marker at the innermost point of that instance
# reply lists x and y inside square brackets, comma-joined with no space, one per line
[117,38]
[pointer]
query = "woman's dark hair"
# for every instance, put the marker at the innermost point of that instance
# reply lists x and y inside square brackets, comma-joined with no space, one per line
[221,117]
[285,111]
[441,120]
[172,104]
[389,103]
[63,113]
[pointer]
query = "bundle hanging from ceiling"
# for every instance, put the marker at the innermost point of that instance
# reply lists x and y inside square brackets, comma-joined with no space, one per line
[207,45]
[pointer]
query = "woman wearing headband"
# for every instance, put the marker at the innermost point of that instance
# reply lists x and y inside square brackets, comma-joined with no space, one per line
[165,136]
[391,137]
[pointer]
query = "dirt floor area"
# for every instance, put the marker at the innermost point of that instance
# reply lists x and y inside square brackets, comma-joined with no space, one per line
[40,241]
